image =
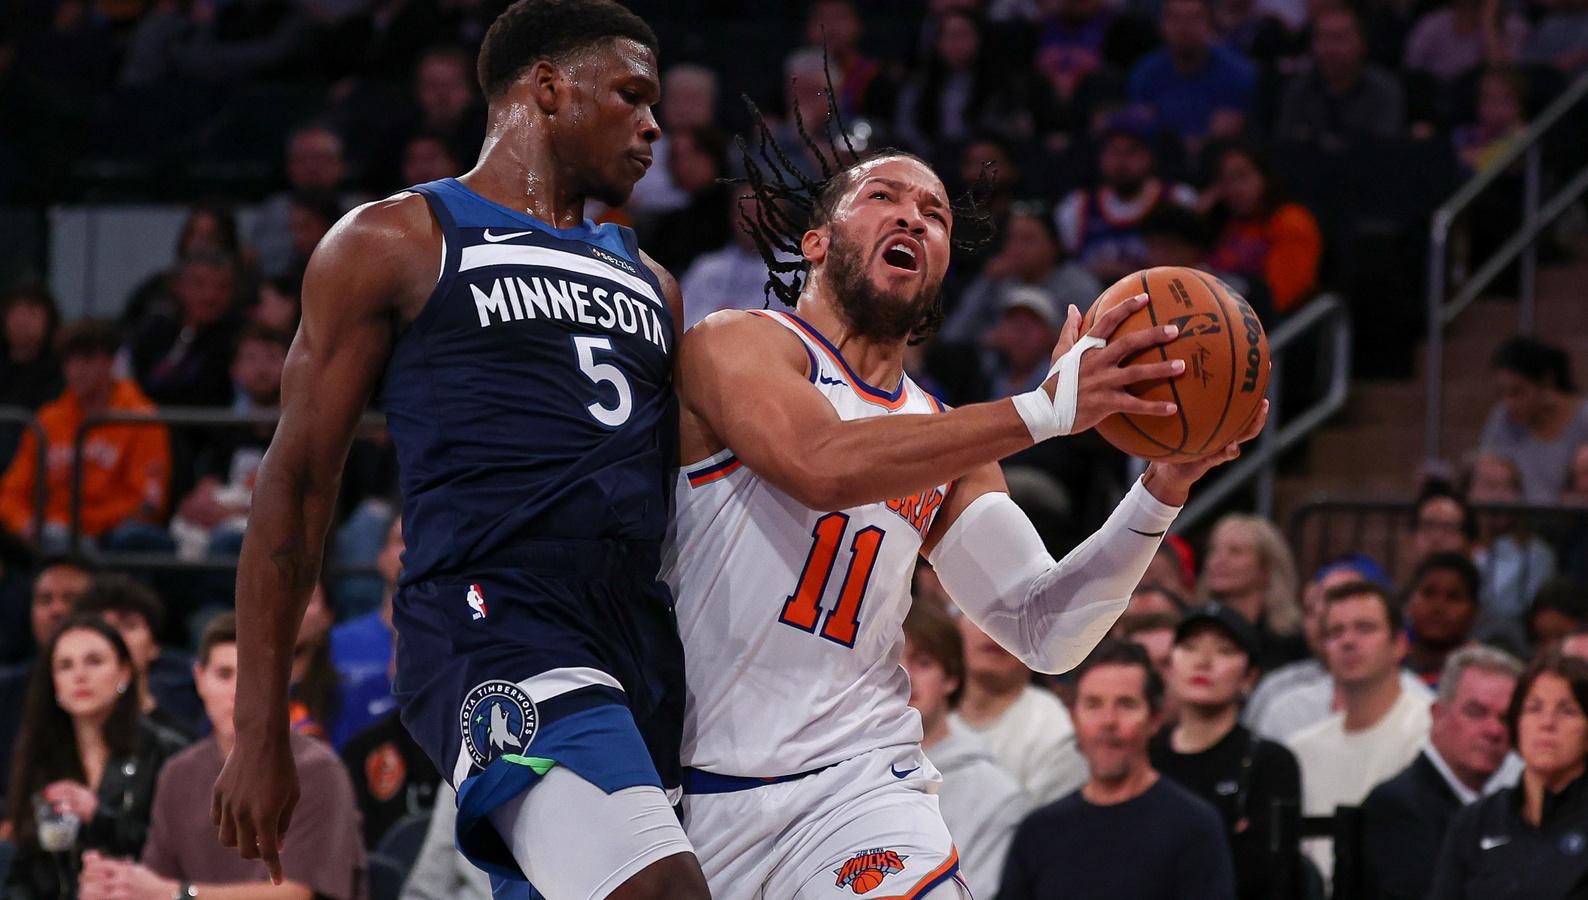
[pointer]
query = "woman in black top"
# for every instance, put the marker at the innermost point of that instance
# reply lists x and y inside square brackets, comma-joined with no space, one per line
[1209,753]
[1530,842]
[85,752]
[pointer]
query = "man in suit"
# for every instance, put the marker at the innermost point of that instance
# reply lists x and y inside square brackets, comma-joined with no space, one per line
[1464,758]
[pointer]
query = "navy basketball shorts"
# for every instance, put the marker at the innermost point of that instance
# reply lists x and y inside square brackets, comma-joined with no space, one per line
[557,653]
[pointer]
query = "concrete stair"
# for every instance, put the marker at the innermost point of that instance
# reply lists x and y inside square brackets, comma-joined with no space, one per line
[1373,449]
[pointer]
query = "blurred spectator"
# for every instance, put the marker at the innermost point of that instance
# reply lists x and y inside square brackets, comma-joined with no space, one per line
[1560,38]
[1126,832]
[1262,238]
[210,230]
[446,101]
[361,649]
[1031,258]
[1244,25]
[1173,567]
[981,802]
[1452,40]
[689,102]
[1082,48]
[211,518]
[1209,753]
[441,872]
[1444,523]
[392,777]
[165,681]
[963,89]
[1342,97]
[697,160]
[429,157]
[1405,818]
[732,277]
[1575,645]
[278,306]
[1154,633]
[1380,725]
[1301,693]
[1249,567]
[30,372]
[314,161]
[310,214]
[205,40]
[1101,226]
[1527,841]
[323,858]
[1441,612]
[83,776]
[1514,562]
[1026,728]
[180,357]
[1559,609]
[124,466]
[991,158]
[1023,341]
[1197,87]
[1150,597]
[1501,119]
[869,89]
[1575,493]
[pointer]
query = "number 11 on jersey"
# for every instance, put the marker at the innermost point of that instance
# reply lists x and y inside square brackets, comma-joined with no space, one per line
[802,609]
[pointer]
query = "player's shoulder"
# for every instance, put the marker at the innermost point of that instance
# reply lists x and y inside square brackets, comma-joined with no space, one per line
[733,327]
[402,215]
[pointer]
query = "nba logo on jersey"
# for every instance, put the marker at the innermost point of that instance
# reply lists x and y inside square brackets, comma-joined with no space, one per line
[497,718]
[476,598]
[865,870]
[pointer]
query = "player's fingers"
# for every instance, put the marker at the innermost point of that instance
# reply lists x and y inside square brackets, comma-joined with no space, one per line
[1137,341]
[269,851]
[1255,427]
[1138,406]
[1108,321]
[1072,324]
[247,839]
[285,819]
[228,827]
[1150,371]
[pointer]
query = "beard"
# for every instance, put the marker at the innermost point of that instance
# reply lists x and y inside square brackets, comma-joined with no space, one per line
[872,312]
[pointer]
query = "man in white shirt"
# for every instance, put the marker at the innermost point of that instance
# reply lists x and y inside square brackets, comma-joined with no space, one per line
[1466,756]
[1027,729]
[1380,725]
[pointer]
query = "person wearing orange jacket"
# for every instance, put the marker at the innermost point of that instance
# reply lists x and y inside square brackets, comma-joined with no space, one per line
[125,467]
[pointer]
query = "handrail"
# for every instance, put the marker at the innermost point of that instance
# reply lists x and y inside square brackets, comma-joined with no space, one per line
[222,417]
[25,417]
[1325,312]
[1528,147]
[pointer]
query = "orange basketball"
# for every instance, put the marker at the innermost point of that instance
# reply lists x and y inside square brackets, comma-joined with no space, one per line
[1226,363]
[866,881]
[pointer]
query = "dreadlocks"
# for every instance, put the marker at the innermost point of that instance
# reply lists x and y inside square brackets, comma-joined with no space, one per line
[788,202]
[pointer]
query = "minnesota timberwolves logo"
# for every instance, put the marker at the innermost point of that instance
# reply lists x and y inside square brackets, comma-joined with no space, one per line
[497,718]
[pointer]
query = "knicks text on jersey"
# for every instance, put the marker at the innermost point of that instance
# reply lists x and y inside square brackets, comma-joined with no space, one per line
[792,618]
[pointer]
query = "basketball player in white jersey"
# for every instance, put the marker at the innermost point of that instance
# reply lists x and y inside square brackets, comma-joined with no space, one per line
[814,472]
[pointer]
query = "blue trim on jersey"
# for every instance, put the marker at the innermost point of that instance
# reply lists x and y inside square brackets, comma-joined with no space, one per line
[811,355]
[487,212]
[600,745]
[859,383]
[921,890]
[699,781]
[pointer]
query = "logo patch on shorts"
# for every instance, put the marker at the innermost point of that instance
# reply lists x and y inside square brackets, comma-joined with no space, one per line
[497,718]
[865,870]
[476,600]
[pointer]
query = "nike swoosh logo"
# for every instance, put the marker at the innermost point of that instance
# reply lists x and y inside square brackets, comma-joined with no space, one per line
[825,380]
[498,238]
[1489,843]
[1149,533]
[904,774]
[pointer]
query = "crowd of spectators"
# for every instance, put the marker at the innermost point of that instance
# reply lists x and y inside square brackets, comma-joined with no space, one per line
[1236,693]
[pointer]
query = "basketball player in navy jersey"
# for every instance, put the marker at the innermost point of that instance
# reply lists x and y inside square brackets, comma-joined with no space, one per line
[527,361]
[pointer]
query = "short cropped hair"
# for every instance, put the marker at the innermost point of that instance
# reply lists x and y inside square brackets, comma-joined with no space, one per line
[1483,659]
[87,337]
[114,592]
[932,631]
[221,630]
[534,30]
[1455,563]
[1353,589]
[1124,653]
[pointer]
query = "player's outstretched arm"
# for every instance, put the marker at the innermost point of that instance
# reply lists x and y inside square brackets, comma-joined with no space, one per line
[1051,613]
[335,361]
[746,378]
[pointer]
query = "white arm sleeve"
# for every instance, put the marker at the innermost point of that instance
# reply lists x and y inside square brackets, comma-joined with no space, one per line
[1049,614]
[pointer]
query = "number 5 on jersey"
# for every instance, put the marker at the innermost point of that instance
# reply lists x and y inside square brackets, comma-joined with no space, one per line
[802,609]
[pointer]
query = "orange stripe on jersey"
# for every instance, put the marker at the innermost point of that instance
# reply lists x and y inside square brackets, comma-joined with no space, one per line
[714,472]
[933,878]
[887,400]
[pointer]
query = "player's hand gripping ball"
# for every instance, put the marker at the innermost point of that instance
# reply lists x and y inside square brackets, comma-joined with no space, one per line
[1226,364]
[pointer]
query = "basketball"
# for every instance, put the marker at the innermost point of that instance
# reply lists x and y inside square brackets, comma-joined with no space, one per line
[1226,363]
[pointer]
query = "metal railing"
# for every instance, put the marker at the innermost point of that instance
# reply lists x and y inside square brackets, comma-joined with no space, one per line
[1527,147]
[1327,315]
[21,415]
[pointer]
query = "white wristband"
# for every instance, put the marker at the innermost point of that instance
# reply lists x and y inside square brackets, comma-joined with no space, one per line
[1045,416]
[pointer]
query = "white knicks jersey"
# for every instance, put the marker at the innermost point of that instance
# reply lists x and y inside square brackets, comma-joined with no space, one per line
[792,619]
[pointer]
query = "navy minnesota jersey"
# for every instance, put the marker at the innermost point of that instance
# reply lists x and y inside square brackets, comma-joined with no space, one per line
[532,397]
